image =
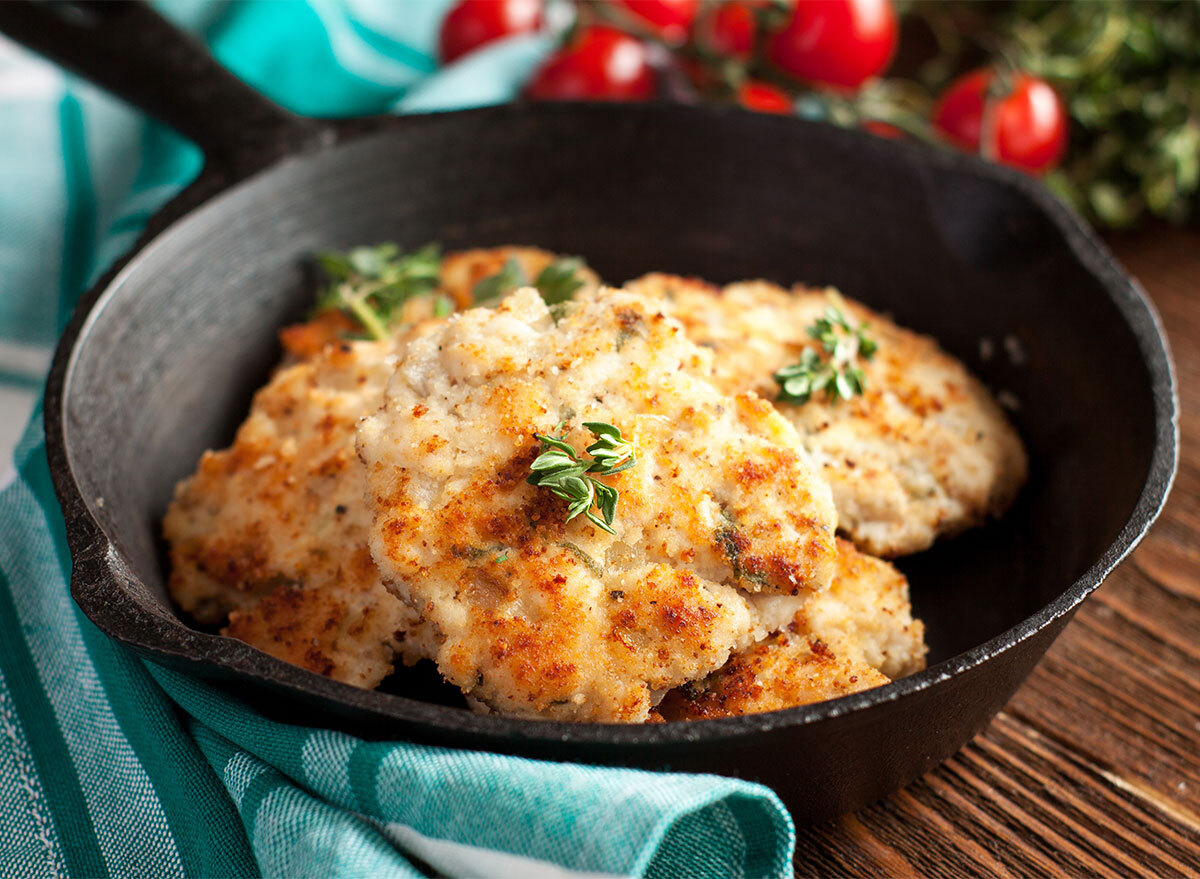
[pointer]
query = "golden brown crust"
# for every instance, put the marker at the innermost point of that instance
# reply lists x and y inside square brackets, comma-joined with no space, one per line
[858,634]
[308,339]
[865,615]
[925,451]
[785,670]
[350,630]
[549,618]
[272,532]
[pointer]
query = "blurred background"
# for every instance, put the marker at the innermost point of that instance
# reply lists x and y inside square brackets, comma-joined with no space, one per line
[1099,98]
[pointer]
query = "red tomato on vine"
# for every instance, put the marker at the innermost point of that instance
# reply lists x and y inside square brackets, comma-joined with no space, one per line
[1024,125]
[474,23]
[728,30]
[840,43]
[599,63]
[668,19]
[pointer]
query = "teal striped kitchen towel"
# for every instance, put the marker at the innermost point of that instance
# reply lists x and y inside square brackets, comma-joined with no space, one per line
[113,767]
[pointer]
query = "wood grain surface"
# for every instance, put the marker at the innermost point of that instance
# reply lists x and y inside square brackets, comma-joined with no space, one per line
[1093,768]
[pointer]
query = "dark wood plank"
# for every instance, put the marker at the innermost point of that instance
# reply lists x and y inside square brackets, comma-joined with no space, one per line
[1093,769]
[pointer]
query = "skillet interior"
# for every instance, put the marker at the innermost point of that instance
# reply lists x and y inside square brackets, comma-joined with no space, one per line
[167,362]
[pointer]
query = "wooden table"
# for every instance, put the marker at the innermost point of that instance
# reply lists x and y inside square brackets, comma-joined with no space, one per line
[1093,768]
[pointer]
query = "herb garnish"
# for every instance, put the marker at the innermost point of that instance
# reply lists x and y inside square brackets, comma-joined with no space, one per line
[588,562]
[611,452]
[560,469]
[557,282]
[372,283]
[509,278]
[837,373]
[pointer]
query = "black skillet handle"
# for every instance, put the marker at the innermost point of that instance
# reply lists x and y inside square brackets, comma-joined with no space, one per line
[129,50]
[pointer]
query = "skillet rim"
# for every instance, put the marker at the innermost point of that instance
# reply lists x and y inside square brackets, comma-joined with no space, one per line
[96,563]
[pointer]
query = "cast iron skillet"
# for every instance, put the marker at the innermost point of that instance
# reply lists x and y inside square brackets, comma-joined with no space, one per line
[163,354]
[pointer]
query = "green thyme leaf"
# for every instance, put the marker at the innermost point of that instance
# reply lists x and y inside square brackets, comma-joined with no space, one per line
[559,310]
[833,369]
[606,500]
[557,443]
[731,541]
[561,470]
[611,452]
[588,562]
[493,287]
[373,262]
[558,281]
[336,265]
[370,284]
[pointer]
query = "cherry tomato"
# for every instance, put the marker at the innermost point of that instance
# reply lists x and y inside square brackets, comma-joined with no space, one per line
[600,63]
[836,42]
[472,23]
[1026,127]
[669,19]
[958,113]
[728,30]
[763,97]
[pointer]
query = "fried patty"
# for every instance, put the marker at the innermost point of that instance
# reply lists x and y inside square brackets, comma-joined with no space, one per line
[786,670]
[865,614]
[924,451]
[270,535]
[272,532]
[858,634]
[538,616]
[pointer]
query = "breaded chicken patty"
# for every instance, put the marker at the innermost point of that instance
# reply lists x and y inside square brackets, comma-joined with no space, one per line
[788,669]
[272,532]
[538,616]
[924,451]
[865,614]
[856,635]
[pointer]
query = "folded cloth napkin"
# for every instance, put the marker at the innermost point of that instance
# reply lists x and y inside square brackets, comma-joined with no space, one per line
[114,767]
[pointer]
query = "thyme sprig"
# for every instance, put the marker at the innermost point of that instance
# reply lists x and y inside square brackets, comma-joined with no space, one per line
[509,278]
[557,282]
[560,469]
[371,284]
[833,369]
[611,452]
